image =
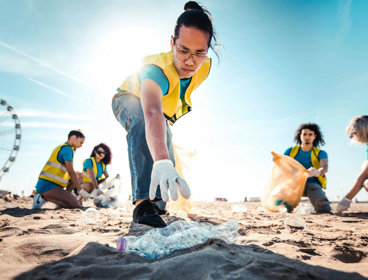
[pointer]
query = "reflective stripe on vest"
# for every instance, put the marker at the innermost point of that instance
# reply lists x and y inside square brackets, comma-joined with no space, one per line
[55,177]
[315,162]
[86,177]
[173,106]
[54,171]
[57,165]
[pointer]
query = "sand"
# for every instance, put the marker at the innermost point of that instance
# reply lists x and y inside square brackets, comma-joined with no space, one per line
[55,244]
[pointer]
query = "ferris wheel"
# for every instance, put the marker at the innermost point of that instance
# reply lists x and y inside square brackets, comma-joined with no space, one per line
[10,137]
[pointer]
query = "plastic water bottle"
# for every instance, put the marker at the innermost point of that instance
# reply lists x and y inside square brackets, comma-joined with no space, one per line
[178,235]
[294,222]
[89,216]
[304,209]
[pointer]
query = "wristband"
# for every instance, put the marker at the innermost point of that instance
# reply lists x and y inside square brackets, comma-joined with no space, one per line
[163,161]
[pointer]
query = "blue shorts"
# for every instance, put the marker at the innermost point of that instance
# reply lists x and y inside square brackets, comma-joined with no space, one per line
[44,185]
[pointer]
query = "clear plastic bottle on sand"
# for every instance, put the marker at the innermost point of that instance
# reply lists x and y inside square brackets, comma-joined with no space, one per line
[159,242]
[89,216]
[294,222]
[304,209]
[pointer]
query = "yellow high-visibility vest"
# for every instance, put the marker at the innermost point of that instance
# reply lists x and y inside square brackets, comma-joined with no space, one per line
[86,177]
[55,171]
[172,105]
[315,162]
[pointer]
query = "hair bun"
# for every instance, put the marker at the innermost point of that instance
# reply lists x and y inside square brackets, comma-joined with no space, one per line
[193,5]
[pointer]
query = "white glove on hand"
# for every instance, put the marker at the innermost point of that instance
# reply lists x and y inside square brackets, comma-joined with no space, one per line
[95,192]
[313,172]
[165,175]
[84,194]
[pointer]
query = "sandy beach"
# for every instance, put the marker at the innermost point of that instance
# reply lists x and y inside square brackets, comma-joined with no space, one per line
[54,243]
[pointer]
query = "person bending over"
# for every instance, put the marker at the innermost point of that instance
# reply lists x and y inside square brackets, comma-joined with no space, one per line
[358,131]
[158,95]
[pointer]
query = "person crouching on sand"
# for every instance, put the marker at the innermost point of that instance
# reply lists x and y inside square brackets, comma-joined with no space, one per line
[94,169]
[357,131]
[53,183]
[308,137]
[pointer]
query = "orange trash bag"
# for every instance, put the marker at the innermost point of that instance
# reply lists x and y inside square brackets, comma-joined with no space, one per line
[285,185]
[181,204]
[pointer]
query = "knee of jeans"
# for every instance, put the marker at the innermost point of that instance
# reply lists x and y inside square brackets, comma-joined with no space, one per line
[322,203]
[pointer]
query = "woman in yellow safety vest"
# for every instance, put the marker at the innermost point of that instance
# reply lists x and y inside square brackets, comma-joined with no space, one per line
[158,95]
[357,131]
[94,168]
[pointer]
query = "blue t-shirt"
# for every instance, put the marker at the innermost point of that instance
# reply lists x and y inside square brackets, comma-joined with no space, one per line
[305,159]
[65,153]
[88,164]
[152,72]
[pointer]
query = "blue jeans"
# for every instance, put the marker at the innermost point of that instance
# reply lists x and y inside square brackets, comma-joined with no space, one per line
[128,111]
[317,197]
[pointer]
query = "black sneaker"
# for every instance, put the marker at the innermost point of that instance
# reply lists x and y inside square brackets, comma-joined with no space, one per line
[160,206]
[146,214]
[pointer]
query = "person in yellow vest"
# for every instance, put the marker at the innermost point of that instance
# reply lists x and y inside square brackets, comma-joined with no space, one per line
[358,132]
[158,95]
[308,138]
[58,178]
[94,169]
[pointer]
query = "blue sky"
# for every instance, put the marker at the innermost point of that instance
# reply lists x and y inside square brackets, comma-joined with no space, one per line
[282,63]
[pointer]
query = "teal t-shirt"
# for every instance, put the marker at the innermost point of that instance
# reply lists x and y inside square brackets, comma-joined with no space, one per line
[88,164]
[305,159]
[367,150]
[152,72]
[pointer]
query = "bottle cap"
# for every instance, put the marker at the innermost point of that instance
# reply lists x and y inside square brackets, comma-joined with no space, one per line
[122,244]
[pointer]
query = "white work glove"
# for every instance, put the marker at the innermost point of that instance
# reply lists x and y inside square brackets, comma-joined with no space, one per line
[313,172]
[84,194]
[95,192]
[343,205]
[165,175]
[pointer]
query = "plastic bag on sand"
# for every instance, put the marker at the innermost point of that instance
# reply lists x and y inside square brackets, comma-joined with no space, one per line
[285,185]
[182,204]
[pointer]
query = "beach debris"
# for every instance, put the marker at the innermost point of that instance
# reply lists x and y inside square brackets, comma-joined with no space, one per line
[110,193]
[239,208]
[294,222]
[89,216]
[304,209]
[182,215]
[159,242]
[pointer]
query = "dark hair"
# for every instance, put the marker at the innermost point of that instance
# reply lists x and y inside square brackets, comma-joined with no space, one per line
[315,128]
[107,159]
[197,16]
[77,133]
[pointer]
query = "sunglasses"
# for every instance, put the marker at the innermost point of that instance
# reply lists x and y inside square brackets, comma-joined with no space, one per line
[101,152]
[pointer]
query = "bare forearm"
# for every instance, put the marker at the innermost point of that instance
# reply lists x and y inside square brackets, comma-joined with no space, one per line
[156,135]
[357,185]
[74,179]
